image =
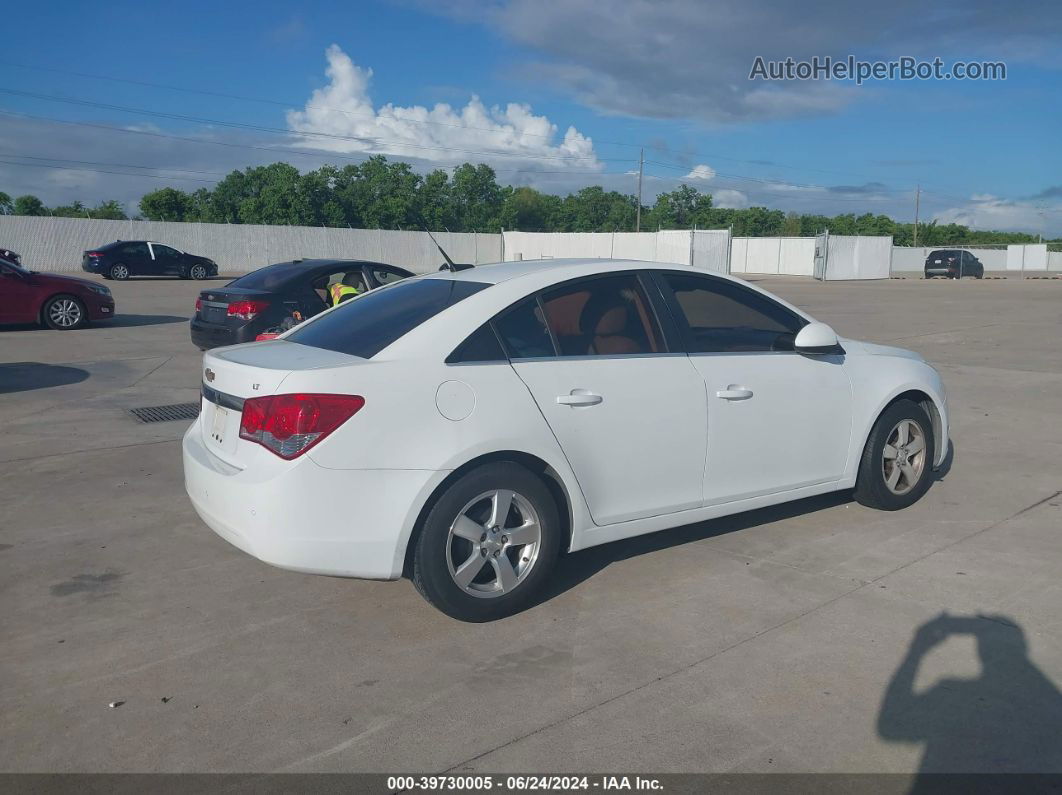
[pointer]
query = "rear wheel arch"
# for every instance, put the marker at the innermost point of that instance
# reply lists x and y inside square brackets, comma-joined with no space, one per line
[532,463]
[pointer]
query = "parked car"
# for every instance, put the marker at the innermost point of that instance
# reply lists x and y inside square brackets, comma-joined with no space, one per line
[465,427]
[265,298]
[124,258]
[10,256]
[953,263]
[58,302]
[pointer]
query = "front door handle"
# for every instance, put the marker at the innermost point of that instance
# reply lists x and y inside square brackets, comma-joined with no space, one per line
[734,392]
[579,397]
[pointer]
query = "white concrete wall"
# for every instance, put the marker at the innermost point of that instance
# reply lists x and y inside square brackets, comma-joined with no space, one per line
[56,244]
[858,257]
[703,249]
[1027,258]
[794,256]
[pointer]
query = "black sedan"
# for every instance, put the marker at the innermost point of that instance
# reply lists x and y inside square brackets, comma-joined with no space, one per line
[266,298]
[124,258]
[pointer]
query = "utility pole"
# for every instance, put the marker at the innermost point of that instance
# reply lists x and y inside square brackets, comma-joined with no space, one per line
[638,212]
[918,195]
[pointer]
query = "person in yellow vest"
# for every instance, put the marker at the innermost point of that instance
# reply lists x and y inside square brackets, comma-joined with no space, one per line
[350,286]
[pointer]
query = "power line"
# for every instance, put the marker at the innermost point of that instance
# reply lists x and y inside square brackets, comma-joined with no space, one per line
[281,103]
[372,114]
[101,171]
[286,132]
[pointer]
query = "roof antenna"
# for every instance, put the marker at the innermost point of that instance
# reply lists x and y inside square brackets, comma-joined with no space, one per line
[450,266]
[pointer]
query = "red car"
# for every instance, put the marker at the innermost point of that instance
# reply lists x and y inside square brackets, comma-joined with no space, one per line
[59,302]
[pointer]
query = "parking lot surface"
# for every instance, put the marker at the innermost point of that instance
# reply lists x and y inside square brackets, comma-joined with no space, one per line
[806,637]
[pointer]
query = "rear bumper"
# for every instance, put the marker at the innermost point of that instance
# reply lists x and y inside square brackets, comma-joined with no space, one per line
[211,335]
[303,517]
[941,271]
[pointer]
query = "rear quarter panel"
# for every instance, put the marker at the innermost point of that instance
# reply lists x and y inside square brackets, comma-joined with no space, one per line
[402,425]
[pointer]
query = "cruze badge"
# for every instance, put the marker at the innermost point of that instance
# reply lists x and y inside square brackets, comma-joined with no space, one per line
[209,374]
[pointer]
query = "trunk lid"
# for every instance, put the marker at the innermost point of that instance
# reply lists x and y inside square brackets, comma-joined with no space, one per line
[215,302]
[231,375]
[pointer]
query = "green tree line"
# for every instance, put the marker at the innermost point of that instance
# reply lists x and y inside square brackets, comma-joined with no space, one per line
[379,194]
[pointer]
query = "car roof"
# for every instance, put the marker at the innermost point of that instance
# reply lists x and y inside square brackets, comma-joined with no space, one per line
[559,269]
[323,261]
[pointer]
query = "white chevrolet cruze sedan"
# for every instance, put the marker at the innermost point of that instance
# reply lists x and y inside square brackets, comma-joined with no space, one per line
[465,428]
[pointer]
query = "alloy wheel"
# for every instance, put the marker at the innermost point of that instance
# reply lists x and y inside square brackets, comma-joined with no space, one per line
[903,458]
[493,543]
[65,312]
[119,272]
[199,272]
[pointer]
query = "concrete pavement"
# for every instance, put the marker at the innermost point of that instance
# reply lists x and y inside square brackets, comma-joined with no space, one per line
[780,640]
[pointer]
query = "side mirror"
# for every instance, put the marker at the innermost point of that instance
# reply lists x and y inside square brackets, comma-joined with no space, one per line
[817,338]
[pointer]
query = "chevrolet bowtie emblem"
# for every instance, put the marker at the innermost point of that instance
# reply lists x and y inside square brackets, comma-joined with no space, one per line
[209,374]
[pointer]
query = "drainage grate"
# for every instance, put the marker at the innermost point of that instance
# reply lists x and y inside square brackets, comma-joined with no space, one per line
[178,411]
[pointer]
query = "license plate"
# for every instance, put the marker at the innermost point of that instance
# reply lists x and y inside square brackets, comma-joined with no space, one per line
[221,419]
[936,262]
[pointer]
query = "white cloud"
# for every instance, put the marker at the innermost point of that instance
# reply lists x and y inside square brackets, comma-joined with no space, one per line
[702,172]
[730,199]
[991,212]
[341,117]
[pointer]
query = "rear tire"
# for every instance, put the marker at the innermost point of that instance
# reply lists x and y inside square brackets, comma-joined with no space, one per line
[64,313]
[119,272]
[895,470]
[488,544]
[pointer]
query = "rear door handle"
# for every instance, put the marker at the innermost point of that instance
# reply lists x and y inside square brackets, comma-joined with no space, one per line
[579,397]
[734,392]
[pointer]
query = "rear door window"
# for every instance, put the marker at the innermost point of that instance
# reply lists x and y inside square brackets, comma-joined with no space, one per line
[605,316]
[365,326]
[523,329]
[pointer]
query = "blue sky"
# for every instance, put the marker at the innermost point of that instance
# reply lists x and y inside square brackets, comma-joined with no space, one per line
[671,76]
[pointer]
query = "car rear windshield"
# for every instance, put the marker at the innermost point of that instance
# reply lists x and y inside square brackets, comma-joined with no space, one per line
[270,277]
[368,324]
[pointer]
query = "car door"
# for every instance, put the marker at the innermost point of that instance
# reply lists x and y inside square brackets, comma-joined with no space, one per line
[777,419]
[137,258]
[629,415]
[167,260]
[18,296]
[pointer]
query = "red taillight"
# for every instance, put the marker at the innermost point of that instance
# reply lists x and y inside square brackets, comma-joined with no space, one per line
[245,310]
[93,254]
[289,425]
[198,305]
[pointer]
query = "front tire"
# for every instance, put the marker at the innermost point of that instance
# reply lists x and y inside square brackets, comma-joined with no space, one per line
[199,272]
[488,544]
[64,313]
[895,470]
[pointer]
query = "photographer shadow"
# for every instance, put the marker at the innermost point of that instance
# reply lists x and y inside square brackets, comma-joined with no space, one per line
[1008,720]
